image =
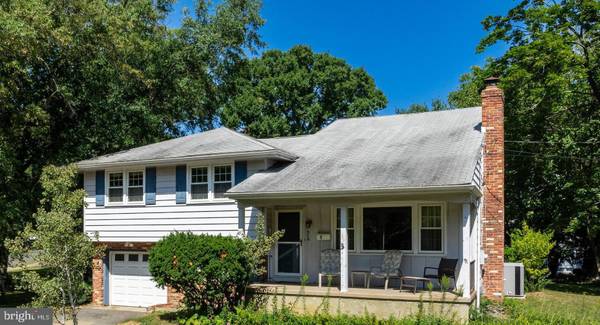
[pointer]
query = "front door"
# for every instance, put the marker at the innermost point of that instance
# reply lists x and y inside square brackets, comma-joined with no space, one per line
[289,246]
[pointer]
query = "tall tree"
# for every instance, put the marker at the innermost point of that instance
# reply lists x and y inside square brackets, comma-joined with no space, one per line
[550,74]
[61,248]
[86,77]
[298,92]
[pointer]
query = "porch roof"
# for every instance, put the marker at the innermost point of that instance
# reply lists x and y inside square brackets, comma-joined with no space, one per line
[423,151]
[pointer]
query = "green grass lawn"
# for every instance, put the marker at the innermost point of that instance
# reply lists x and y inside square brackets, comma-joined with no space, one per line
[558,304]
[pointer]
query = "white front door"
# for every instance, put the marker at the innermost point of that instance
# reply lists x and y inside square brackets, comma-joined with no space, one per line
[131,283]
[289,246]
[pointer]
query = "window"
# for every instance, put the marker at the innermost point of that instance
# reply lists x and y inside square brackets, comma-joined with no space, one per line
[115,187]
[387,228]
[133,257]
[431,228]
[135,187]
[199,183]
[222,181]
[338,212]
[119,257]
[145,258]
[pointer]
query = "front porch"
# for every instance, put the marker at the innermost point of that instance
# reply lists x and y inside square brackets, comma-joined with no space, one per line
[424,227]
[359,301]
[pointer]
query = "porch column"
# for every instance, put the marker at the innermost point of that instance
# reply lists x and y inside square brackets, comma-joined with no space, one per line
[241,220]
[464,277]
[343,249]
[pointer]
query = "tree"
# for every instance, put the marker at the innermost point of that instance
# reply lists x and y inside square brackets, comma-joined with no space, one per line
[550,75]
[531,248]
[61,248]
[298,92]
[83,78]
[436,105]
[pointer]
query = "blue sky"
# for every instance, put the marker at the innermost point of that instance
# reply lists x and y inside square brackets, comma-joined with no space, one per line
[415,50]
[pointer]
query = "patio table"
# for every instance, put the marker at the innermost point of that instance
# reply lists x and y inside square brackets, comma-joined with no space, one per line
[364,273]
[415,281]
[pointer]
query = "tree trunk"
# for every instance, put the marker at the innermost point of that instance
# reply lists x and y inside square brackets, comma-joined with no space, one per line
[3,269]
[596,250]
[590,256]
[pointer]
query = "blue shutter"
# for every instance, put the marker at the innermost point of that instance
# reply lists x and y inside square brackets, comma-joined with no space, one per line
[99,188]
[241,171]
[150,185]
[180,184]
[105,261]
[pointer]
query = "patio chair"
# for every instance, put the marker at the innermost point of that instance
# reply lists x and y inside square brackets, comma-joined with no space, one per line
[390,268]
[447,268]
[329,264]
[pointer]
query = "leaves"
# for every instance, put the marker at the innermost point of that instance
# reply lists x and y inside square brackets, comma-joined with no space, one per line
[85,78]
[298,92]
[57,244]
[552,116]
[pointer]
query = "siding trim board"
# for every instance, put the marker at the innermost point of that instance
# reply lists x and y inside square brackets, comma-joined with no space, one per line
[106,277]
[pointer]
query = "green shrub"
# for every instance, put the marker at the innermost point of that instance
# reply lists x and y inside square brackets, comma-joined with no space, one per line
[531,248]
[211,272]
[249,316]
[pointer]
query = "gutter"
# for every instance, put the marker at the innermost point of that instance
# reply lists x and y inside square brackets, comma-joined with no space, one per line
[273,154]
[462,188]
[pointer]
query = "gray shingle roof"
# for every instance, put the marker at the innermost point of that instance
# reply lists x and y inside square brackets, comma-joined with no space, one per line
[221,142]
[360,154]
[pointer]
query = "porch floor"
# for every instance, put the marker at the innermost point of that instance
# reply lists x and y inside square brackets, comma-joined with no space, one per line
[392,294]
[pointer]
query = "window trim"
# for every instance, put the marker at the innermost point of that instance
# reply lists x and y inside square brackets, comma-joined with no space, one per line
[211,183]
[334,227]
[125,173]
[443,227]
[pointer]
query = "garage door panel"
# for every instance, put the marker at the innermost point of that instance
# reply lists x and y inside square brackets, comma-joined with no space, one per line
[131,283]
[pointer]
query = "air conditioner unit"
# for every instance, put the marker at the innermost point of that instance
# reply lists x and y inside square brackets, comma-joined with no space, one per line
[514,280]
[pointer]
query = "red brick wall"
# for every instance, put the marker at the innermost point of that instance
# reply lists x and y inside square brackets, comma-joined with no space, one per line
[492,102]
[173,297]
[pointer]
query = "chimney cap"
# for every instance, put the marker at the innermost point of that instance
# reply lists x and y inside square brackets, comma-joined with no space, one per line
[491,81]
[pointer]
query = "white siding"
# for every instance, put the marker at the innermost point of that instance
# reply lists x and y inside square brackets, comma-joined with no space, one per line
[152,222]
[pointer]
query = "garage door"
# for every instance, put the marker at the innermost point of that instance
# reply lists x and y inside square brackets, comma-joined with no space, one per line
[131,283]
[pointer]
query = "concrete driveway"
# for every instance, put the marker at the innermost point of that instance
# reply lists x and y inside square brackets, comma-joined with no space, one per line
[91,315]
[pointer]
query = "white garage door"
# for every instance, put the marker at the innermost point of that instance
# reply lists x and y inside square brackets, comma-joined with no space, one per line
[131,283]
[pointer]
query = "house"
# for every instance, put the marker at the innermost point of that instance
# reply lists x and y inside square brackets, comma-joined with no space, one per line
[428,184]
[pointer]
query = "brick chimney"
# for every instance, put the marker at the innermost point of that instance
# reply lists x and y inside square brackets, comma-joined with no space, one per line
[492,110]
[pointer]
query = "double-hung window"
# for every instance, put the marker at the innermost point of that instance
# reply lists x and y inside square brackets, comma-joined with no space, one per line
[431,228]
[115,187]
[351,236]
[126,187]
[222,180]
[199,183]
[386,228]
[135,187]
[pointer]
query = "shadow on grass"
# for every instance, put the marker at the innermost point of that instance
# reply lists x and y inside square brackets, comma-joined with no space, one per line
[588,288]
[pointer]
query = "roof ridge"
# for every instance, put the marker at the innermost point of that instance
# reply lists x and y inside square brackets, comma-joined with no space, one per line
[407,114]
[247,137]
